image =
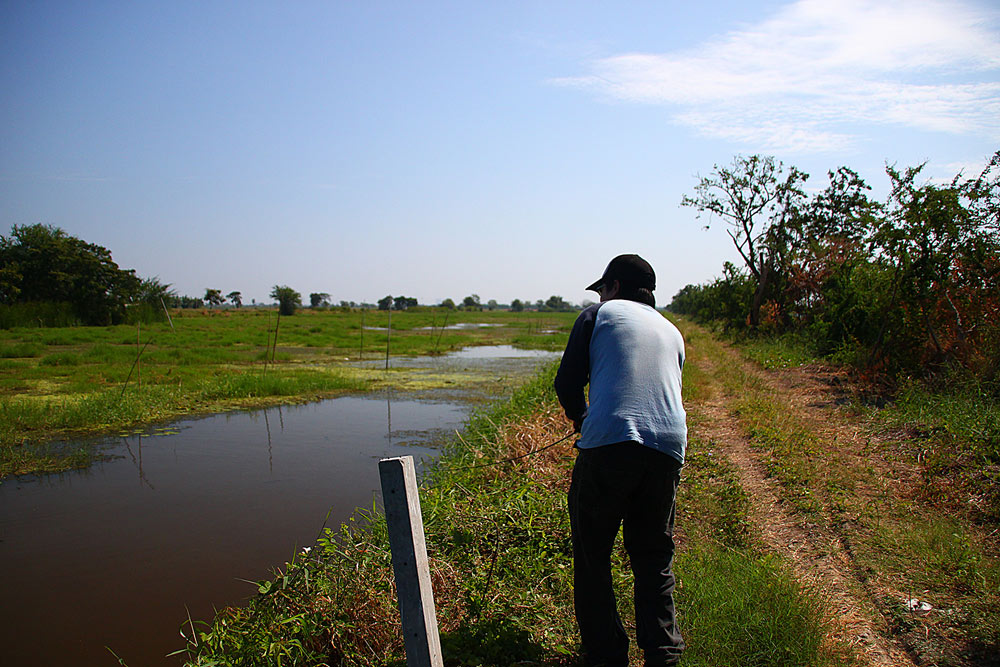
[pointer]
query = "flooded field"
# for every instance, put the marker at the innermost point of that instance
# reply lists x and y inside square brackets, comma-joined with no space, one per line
[184,515]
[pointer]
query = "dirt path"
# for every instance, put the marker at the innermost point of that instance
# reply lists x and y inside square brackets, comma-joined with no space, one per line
[818,552]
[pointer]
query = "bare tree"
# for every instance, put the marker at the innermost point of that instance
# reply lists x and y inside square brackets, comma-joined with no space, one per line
[756,200]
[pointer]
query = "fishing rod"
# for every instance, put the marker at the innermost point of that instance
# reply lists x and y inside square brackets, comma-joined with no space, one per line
[513,458]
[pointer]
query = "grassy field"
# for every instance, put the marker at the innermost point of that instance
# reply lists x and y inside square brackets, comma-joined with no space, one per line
[67,382]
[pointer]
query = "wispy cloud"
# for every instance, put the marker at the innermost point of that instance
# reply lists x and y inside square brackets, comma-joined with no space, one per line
[803,79]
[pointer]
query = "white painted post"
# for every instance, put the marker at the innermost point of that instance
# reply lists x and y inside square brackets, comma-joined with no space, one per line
[409,562]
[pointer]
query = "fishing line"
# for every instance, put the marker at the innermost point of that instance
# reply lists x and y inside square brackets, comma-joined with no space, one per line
[513,458]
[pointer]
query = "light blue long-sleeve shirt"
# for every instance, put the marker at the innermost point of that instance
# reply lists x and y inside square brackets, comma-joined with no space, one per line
[633,358]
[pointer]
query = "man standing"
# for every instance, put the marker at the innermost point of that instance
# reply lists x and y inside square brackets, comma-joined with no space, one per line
[631,448]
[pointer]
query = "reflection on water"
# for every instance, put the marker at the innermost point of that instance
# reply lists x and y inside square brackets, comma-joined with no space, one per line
[463,326]
[500,352]
[112,555]
[484,357]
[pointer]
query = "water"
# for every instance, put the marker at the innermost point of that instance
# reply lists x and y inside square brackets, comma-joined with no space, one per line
[505,358]
[500,352]
[463,326]
[111,556]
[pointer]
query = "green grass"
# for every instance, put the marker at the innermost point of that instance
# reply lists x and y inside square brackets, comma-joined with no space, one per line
[61,359]
[969,416]
[789,448]
[113,409]
[757,615]
[20,350]
[779,351]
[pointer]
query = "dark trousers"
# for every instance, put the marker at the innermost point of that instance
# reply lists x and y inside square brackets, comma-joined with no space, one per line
[631,485]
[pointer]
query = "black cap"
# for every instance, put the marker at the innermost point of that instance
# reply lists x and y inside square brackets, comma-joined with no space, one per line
[630,270]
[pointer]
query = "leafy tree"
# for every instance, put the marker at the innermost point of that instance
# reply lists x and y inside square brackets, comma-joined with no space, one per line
[151,291]
[404,302]
[492,304]
[449,304]
[471,302]
[385,303]
[724,300]
[317,299]
[556,303]
[213,297]
[906,287]
[236,298]
[41,263]
[149,300]
[983,194]
[842,211]
[759,202]
[821,288]
[942,253]
[516,306]
[287,298]
[186,302]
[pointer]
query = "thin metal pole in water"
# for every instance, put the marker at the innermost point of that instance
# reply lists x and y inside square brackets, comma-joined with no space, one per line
[168,314]
[138,353]
[277,323]
[441,331]
[267,347]
[409,562]
[388,335]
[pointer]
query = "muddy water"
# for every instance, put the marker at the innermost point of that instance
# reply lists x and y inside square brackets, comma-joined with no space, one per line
[112,557]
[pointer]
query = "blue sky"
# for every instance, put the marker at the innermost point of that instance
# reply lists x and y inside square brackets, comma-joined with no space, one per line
[440,149]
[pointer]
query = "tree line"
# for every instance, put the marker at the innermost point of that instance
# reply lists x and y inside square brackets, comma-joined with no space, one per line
[51,278]
[909,285]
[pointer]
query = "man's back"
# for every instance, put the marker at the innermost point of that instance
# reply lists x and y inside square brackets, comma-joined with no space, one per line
[632,357]
[636,359]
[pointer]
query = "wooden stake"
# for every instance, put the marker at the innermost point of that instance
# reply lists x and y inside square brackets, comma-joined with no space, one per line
[138,353]
[409,562]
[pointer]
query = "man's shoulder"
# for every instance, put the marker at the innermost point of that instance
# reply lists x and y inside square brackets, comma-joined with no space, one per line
[635,314]
[588,314]
[626,308]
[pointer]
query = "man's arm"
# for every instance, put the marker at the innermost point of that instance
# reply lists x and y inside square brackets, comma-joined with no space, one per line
[574,370]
